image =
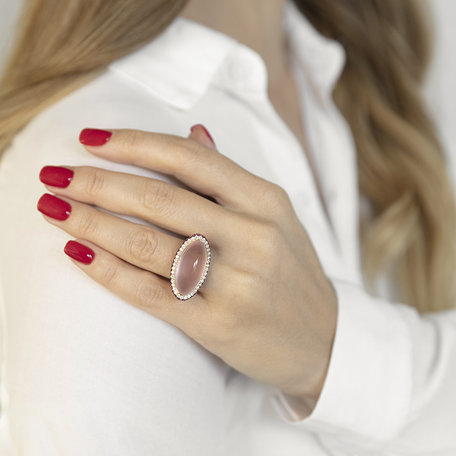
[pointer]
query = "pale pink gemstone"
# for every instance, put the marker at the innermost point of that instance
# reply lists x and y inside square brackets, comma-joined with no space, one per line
[191,267]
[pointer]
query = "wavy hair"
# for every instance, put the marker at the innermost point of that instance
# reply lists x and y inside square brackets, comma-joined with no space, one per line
[402,168]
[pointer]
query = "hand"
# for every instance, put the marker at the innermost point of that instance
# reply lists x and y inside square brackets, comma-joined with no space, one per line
[266,307]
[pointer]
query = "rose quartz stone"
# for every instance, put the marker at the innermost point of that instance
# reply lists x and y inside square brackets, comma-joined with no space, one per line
[191,267]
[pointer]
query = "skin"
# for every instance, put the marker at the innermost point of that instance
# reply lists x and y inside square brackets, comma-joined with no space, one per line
[266,307]
[269,312]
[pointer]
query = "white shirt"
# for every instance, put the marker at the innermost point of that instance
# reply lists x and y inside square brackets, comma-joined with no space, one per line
[85,373]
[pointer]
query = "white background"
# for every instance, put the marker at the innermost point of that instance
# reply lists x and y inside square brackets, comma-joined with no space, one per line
[440,89]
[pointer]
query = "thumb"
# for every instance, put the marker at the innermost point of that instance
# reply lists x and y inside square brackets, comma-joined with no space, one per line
[200,134]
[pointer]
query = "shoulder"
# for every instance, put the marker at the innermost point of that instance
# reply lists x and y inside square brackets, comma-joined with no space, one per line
[76,328]
[108,101]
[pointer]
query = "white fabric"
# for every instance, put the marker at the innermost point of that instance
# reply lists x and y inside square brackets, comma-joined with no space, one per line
[84,373]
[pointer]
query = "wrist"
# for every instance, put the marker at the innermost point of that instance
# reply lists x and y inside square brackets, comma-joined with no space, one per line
[310,385]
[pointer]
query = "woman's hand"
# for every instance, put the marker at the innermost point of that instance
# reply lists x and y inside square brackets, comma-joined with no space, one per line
[266,307]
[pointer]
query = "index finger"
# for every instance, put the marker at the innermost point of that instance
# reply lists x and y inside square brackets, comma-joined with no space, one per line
[202,168]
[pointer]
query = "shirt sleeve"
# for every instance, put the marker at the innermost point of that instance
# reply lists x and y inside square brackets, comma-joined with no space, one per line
[84,372]
[391,379]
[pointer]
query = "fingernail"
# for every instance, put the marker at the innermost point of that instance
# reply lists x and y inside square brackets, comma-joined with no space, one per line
[94,137]
[79,252]
[54,207]
[57,176]
[205,131]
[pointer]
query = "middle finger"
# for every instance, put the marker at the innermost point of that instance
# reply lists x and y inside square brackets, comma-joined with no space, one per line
[156,201]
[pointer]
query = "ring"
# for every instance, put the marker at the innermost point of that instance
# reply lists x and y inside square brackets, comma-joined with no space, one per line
[190,266]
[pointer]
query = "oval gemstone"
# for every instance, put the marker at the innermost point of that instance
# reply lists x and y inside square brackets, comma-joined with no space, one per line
[191,266]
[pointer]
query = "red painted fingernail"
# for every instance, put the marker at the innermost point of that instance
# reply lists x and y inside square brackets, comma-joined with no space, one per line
[79,252]
[53,207]
[94,137]
[205,131]
[57,176]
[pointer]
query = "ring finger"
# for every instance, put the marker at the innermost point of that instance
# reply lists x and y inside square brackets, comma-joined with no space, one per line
[135,243]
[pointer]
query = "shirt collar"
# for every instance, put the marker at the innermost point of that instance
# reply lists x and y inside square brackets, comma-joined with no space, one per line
[179,65]
[321,58]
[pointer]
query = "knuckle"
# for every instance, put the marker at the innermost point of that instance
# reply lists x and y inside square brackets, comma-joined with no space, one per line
[148,293]
[249,282]
[87,225]
[275,198]
[192,153]
[188,148]
[266,238]
[142,245]
[94,181]
[109,275]
[158,197]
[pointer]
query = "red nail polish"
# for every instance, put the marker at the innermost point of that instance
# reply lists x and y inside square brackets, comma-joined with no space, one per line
[94,137]
[54,207]
[57,176]
[79,252]
[205,131]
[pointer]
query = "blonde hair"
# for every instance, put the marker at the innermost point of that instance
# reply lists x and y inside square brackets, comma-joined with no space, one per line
[402,168]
